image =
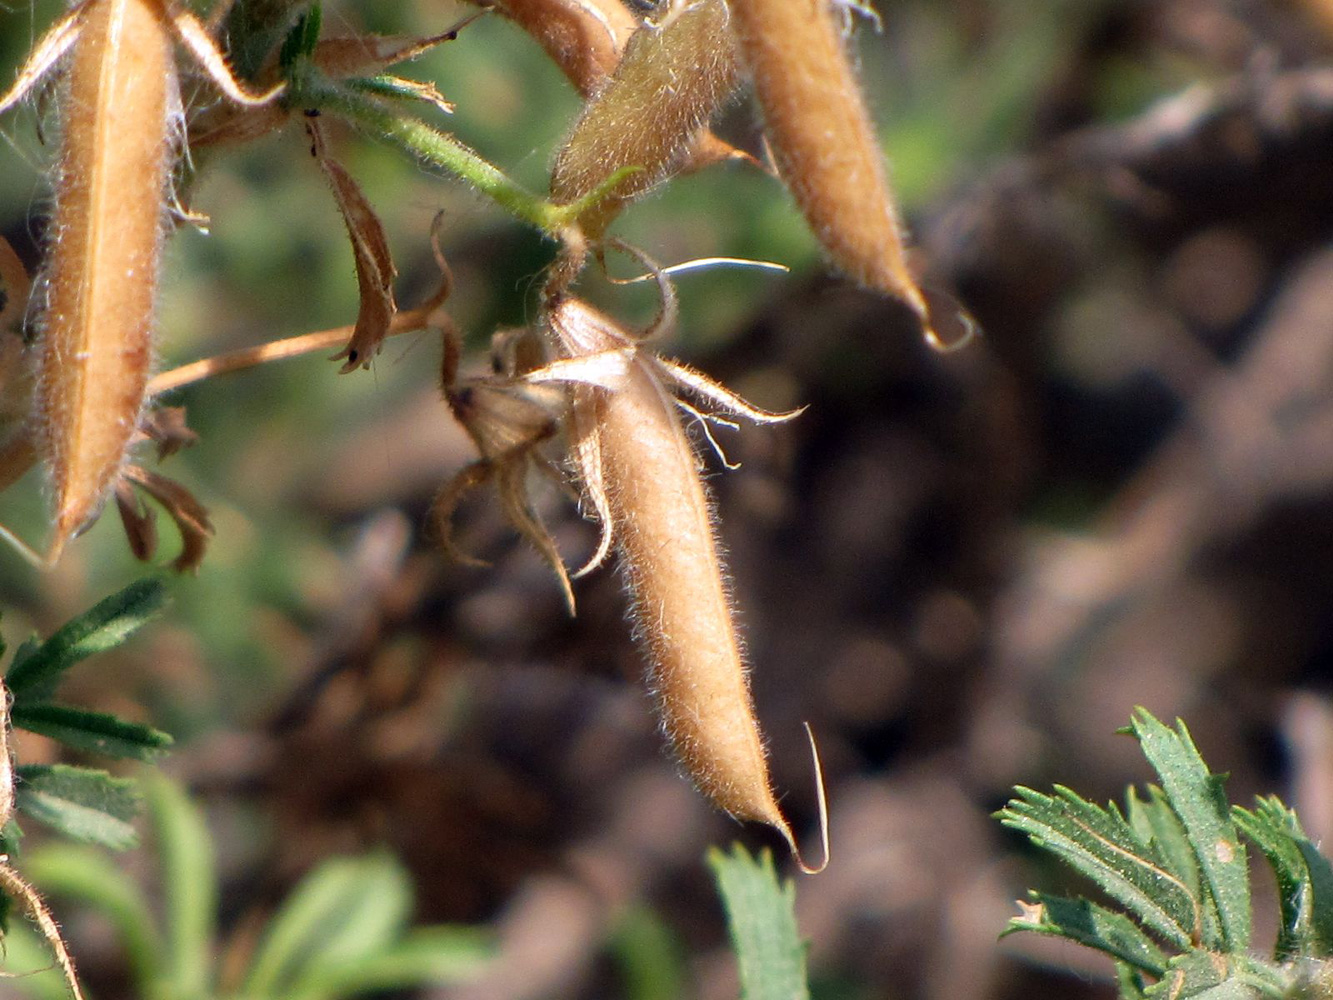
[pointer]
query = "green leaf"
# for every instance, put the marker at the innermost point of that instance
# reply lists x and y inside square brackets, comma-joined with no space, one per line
[346,909]
[94,732]
[1156,823]
[1206,975]
[1199,799]
[189,883]
[1095,926]
[81,803]
[301,40]
[429,956]
[1304,878]
[762,921]
[1130,981]
[86,875]
[34,677]
[1101,845]
[27,648]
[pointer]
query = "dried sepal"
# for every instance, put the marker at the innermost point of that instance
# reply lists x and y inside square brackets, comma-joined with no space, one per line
[165,426]
[48,51]
[676,72]
[367,55]
[189,514]
[401,88]
[370,247]
[138,520]
[509,420]
[194,35]
[823,141]
[442,508]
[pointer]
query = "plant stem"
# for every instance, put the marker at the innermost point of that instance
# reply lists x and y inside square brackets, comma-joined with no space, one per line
[310,88]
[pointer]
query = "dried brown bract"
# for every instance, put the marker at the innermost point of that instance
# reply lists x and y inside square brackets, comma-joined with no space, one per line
[370,248]
[509,420]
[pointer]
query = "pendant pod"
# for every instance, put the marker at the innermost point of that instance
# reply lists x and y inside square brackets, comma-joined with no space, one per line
[662,522]
[676,72]
[823,140]
[96,347]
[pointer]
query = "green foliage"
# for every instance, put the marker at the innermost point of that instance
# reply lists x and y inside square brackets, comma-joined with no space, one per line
[343,931]
[83,803]
[762,921]
[1175,868]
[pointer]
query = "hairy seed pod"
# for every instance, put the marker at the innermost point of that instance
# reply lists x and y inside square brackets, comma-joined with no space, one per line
[823,140]
[97,336]
[676,72]
[663,524]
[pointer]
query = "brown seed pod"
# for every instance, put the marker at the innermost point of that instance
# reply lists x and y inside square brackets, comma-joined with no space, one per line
[95,351]
[676,72]
[97,332]
[823,140]
[644,476]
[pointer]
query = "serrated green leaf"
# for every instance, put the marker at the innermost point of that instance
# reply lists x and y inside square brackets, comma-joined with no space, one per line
[1156,823]
[1102,846]
[346,909]
[81,803]
[92,732]
[103,627]
[86,875]
[428,956]
[762,919]
[1130,981]
[1304,878]
[1198,798]
[1091,925]
[1189,975]
[189,881]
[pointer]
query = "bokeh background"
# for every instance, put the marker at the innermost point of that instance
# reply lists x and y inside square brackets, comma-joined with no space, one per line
[963,569]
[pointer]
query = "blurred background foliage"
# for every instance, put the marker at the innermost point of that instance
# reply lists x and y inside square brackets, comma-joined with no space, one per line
[964,569]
